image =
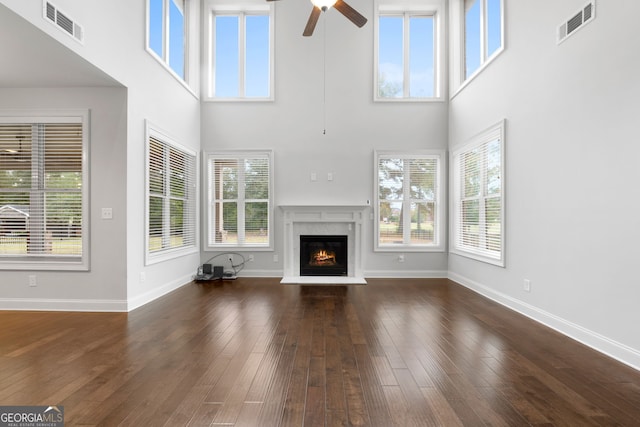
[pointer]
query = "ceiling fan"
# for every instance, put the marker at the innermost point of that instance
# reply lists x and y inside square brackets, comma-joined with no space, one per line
[341,6]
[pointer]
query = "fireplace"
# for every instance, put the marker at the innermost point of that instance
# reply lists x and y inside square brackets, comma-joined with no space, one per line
[322,220]
[323,255]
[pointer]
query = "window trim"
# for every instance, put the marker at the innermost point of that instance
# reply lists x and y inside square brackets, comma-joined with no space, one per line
[484,137]
[242,10]
[152,131]
[81,263]
[440,201]
[458,46]
[164,62]
[239,154]
[385,8]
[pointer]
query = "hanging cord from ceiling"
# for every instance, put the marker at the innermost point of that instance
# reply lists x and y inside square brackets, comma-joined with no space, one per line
[324,77]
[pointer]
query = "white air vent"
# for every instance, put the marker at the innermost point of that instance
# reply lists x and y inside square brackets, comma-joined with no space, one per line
[63,22]
[586,15]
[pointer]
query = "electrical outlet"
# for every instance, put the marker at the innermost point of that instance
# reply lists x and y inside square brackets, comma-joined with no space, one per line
[275,257]
[401,258]
[33,281]
[526,285]
[250,259]
[107,213]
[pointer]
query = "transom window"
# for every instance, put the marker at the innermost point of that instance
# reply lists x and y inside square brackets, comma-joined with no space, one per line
[167,33]
[44,192]
[240,199]
[478,197]
[483,33]
[240,55]
[409,201]
[171,199]
[407,55]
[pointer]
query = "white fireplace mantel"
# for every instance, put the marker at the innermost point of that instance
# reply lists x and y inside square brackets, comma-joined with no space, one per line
[323,220]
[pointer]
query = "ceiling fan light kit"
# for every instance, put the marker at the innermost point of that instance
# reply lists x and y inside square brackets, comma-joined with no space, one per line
[324,5]
[341,6]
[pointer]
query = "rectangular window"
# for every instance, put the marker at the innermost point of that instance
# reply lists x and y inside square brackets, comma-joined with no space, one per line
[478,196]
[167,33]
[483,29]
[407,61]
[241,47]
[43,192]
[240,199]
[171,200]
[410,209]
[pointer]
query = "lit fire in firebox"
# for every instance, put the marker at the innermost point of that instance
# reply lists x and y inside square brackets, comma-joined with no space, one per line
[323,257]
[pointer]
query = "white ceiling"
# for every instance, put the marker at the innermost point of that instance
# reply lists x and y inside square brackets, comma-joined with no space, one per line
[31,58]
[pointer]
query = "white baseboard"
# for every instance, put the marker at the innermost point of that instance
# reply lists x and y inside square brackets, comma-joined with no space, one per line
[44,304]
[383,274]
[147,297]
[260,273]
[622,353]
[407,274]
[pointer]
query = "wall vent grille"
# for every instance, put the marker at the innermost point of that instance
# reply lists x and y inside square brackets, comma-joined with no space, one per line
[63,21]
[584,16]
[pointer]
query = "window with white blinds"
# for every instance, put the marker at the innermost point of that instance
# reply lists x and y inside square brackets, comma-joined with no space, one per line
[43,186]
[409,201]
[171,203]
[478,184]
[240,199]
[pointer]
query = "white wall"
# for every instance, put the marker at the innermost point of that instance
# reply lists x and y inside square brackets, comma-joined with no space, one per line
[571,219]
[102,287]
[115,43]
[355,126]
[571,160]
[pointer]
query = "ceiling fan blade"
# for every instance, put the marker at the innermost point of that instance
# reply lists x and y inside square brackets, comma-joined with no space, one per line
[350,13]
[313,20]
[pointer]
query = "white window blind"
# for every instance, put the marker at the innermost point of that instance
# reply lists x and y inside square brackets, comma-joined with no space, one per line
[478,192]
[408,196]
[172,197]
[41,191]
[240,199]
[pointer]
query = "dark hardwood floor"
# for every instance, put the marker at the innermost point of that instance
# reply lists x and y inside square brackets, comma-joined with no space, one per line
[252,352]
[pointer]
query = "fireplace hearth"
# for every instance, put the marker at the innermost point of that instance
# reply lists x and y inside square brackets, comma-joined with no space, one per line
[323,255]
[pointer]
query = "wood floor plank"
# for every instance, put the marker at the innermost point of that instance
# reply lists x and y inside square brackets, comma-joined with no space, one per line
[314,414]
[294,407]
[233,403]
[445,415]
[372,389]
[418,409]
[252,352]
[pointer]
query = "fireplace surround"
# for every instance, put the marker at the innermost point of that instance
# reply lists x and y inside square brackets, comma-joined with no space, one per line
[319,220]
